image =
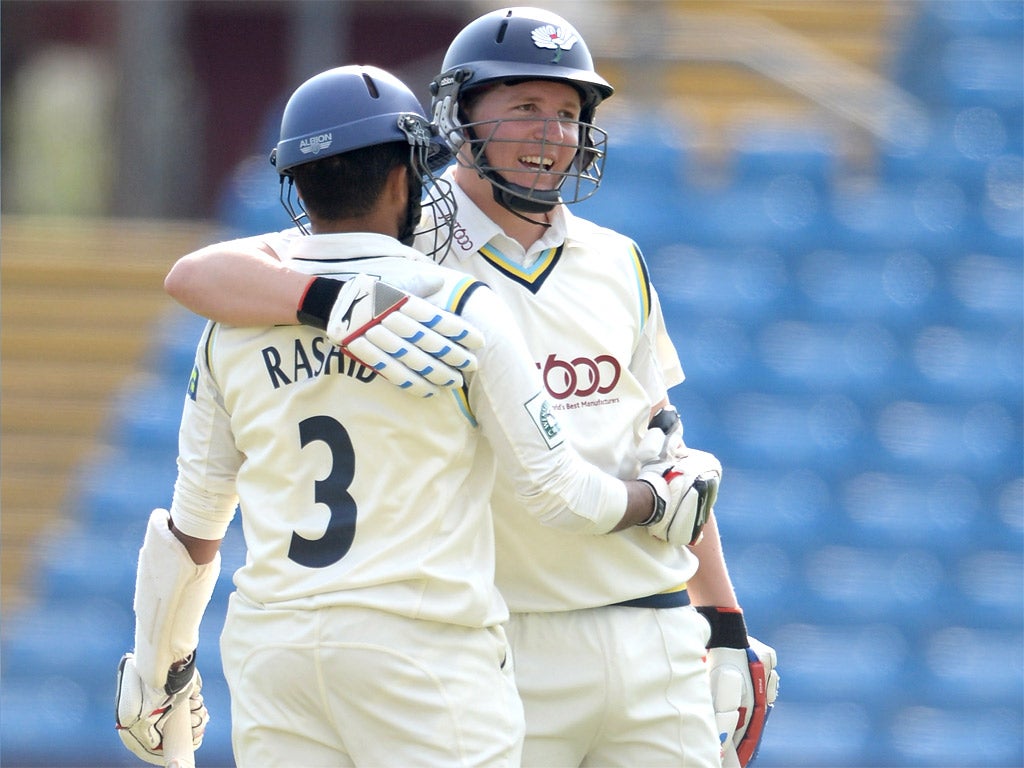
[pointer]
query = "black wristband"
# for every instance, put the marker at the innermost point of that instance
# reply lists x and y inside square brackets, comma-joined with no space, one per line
[180,674]
[318,301]
[728,629]
[659,506]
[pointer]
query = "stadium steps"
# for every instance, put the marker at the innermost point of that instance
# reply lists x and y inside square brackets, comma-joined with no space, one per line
[77,299]
[717,98]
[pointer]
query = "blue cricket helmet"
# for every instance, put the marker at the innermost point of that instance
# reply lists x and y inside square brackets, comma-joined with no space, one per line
[348,108]
[510,45]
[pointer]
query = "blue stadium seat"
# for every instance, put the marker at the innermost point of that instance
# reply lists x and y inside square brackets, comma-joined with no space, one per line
[651,153]
[931,215]
[852,661]
[250,203]
[985,71]
[123,486]
[786,212]
[94,561]
[173,354]
[984,436]
[894,286]
[980,665]
[146,418]
[779,430]
[988,288]
[951,362]
[988,585]
[907,583]
[816,733]
[765,151]
[959,145]
[745,284]
[931,732]
[51,720]
[754,510]
[79,639]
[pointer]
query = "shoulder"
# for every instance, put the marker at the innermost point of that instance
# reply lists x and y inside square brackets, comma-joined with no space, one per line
[587,234]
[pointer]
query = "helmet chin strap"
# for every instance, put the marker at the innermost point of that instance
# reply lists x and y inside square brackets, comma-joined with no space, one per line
[407,231]
[519,200]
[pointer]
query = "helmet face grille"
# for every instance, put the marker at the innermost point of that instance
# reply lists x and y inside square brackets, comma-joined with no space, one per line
[522,44]
[546,185]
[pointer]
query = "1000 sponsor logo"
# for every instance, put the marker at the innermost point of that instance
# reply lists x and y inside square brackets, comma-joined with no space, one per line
[580,377]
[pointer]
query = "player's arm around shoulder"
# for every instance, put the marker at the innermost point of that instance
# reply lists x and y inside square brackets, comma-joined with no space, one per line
[508,400]
[239,282]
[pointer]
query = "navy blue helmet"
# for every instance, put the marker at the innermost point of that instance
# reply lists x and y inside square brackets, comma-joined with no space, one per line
[353,107]
[517,44]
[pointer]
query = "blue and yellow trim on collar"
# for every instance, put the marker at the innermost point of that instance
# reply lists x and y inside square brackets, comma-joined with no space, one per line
[531,278]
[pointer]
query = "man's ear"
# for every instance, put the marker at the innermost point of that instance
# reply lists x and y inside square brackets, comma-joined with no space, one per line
[397,186]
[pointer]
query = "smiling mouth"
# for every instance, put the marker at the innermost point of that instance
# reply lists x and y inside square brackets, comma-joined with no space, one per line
[536,162]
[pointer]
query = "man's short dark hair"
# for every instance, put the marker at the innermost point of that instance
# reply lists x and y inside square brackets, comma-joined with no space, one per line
[347,185]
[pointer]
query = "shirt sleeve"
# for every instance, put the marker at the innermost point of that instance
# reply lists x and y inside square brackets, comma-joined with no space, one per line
[205,496]
[655,362]
[552,482]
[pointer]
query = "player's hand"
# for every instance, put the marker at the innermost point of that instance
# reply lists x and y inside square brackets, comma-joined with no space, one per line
[407,340]
[744,684]
[687,488]
[141,711]
[664,438]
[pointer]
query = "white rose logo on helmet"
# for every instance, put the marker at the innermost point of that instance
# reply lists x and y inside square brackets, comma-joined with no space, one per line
[554,38]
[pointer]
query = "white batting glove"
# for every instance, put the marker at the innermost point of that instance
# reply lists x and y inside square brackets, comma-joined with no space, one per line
[142,711]
[664,438]
[744,686]
[408,341]
[685,492]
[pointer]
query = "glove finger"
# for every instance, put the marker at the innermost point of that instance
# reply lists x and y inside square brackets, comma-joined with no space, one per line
[200,719]
[445,323]
[410,360]
[651,447]
[429,341]
[767,656]
[390,369]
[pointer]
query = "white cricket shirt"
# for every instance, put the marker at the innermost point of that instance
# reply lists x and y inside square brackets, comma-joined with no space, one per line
[351,491]
[593,323]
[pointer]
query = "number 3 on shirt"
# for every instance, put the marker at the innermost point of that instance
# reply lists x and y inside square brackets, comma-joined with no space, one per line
[332,492]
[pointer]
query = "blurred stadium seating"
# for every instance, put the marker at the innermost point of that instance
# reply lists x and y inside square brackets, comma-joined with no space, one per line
[853,347]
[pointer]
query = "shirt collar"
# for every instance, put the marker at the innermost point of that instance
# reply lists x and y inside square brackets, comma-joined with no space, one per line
[475,229]
[348,245]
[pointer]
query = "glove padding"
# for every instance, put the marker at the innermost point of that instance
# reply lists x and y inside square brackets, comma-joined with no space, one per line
[744,685]
[663,440]
[142,711]
[687,488]
[407,340]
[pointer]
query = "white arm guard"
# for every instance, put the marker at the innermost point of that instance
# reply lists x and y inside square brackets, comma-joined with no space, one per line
[171,594]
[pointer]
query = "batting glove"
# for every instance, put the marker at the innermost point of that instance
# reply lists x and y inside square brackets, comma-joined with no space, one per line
[685,491]
[407,340]
[664,438]
[142,711]
[744,685]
